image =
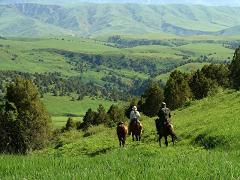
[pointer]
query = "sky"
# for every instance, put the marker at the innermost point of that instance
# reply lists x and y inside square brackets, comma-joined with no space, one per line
[202,2]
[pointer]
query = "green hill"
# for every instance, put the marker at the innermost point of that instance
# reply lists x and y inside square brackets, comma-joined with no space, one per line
[97,19]
[208,149]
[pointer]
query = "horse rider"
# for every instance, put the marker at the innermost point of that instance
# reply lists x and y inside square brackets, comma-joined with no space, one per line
[164,115]
[134,116]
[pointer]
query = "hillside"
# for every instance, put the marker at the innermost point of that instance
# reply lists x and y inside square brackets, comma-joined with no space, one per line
[114,66]
[230,31]
[208,149]
[105,64]
[31,20]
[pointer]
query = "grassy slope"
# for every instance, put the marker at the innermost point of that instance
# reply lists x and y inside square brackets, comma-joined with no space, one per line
[98,155]
[188,68]
[33,58]
[222,53]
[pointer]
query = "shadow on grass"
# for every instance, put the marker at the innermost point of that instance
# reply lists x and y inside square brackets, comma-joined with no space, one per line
[100,152]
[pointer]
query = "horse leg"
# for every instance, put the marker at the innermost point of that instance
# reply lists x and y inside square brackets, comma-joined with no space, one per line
[132,136]
[137,137]
[173,140]
[159,140]
[119,139]
[166,141]
[124,141]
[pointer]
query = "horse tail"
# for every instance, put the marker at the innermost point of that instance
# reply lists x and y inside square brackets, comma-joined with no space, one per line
[171,129]
[140,127]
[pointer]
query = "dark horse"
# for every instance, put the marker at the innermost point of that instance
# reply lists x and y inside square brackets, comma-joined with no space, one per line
[136,130]
[122,132]
[165,130]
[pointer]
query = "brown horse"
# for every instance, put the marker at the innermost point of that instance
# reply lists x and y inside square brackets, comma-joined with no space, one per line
[165,130]
[136,130]
[122,132]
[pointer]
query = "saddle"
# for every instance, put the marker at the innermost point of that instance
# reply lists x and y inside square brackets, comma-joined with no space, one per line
[161,124]
[134,121]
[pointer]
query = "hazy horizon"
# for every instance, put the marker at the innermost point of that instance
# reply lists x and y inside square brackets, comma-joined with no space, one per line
[188,2]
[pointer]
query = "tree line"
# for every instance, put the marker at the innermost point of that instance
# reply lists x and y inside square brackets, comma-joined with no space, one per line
[128,43]
[59,85]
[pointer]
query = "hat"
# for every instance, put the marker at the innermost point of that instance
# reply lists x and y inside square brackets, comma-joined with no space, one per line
[164,104]
[134,108]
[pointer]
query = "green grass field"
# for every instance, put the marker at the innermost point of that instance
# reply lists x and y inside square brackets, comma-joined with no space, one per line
[95,154]
[36,55]
[60,108]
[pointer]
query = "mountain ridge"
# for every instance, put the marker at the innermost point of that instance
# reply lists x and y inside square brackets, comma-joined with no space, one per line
[96,19]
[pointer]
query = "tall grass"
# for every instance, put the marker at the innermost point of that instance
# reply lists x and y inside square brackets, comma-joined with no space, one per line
[95,154]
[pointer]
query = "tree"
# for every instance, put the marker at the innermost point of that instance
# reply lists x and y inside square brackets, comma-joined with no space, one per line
[200,85]
[11,141]
[101,116]
[154,96]
[24,120]
[177,91]
[218,73]
[115,115]
[88,119]
[128,109]
[70,124]
[235,70]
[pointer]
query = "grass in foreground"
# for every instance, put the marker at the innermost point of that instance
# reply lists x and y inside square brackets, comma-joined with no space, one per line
[95,154]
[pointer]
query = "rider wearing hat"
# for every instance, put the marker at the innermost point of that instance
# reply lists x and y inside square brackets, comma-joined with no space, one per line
[134,116]
[164,114]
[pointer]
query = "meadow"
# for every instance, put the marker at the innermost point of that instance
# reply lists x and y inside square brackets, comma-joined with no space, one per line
[60,108]
[38,55]
[207,148]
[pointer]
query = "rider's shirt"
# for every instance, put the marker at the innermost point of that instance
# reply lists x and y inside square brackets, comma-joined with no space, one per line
[134,115]
[164,114]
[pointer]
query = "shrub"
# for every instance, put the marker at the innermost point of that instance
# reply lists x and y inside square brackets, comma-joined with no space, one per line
[211,142]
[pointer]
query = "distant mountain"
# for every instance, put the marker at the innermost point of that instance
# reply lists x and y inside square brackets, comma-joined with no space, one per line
[97,19]
[188,2]
[230,31]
